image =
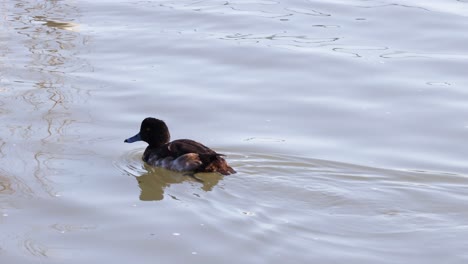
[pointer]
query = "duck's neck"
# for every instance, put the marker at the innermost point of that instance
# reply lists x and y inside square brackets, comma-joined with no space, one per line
[158,140]
[155,144]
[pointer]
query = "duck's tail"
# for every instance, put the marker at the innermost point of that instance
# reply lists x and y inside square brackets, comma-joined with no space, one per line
[216,163]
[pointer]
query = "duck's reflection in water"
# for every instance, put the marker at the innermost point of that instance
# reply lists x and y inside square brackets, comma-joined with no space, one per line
[153,183]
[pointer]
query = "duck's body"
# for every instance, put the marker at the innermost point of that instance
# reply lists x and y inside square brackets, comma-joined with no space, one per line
[178,155]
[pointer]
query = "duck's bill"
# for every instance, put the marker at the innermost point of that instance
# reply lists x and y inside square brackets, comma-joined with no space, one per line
[135,138]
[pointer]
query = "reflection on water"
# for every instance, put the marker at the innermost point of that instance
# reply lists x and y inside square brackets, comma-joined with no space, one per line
[57,24]
[154,181]
[39,114]
[5,187]
[45,52]
[12,186]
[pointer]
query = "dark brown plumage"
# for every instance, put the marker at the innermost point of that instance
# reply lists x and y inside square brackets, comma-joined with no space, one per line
[178,155]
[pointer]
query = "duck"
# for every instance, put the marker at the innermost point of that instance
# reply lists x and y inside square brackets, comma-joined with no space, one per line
[182,155]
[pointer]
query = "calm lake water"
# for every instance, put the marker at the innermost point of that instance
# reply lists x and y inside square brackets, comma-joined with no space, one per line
[347,122]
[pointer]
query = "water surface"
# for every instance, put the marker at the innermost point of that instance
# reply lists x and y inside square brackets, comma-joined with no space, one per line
[344,119]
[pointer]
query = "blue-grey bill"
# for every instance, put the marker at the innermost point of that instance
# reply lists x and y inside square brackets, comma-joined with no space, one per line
[135,138]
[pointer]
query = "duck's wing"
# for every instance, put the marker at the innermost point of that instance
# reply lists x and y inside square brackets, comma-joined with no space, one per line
[180,147]
[203,159]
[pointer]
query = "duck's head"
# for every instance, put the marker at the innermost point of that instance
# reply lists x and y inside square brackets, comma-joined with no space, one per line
[153,131]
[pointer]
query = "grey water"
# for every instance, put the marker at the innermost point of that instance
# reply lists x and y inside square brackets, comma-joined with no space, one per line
[345,120]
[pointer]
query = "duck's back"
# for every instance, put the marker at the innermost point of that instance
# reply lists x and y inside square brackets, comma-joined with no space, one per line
[188,155]
[183,146]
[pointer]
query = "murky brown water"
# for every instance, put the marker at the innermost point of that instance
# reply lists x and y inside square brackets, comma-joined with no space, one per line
[346,122]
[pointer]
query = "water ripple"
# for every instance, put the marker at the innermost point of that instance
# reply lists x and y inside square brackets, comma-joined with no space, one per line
[34,248]
[63,228]
[307,11]
[395,5]
[130,163]
[409,55]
